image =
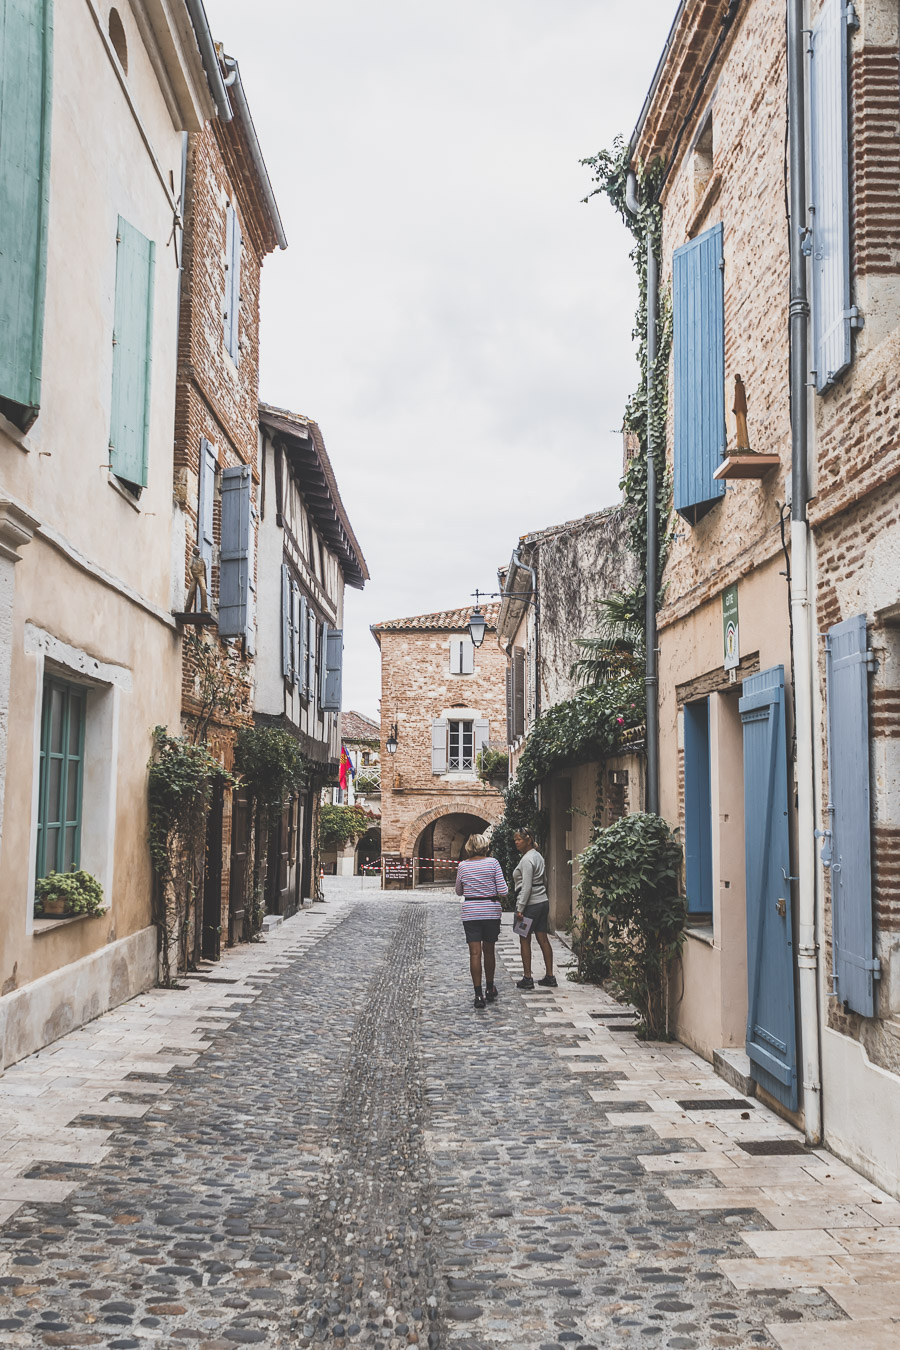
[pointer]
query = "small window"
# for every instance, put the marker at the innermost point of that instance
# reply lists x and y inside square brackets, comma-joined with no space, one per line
[61,777]
[462,747]
[117,38]
[703,162]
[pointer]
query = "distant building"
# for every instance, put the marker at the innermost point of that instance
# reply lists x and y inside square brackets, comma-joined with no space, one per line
[447,701]
[361,738]
[307,553]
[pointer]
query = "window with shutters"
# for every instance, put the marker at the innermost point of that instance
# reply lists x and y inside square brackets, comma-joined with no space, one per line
[232,306]
[332,668]
[129,436]
[61,777]
[461,747]
[515,695]
[697,809]
[206,508]
[236,559]
[462,656]
[698,314]
[25,111]
[833,316]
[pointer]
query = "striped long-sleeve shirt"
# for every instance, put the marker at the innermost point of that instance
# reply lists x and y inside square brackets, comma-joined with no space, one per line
[480,881]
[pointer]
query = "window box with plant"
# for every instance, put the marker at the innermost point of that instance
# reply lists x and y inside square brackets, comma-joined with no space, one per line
[66,895]
[493,766]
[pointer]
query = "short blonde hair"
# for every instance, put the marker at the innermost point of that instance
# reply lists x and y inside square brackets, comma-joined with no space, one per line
[477,843]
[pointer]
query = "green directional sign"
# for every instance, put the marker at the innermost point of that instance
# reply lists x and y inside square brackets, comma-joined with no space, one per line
[730,629]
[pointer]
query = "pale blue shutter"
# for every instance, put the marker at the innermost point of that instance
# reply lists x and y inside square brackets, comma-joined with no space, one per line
[771,1033]
[439,728]
[234,552]
[26,42]
[333,644]
[301,620]
[455,656]
[698,302]
[467,657]
[481,734]
[206,506]
[311,641]
[231,312]
[697,809]
[832,315]
[250,619]
[851,849]
[287,644]
[132,355]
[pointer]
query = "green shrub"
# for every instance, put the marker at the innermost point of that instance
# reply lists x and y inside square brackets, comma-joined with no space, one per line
[342,825]
[80,890]
[272,768]
[631,920]
[492,763]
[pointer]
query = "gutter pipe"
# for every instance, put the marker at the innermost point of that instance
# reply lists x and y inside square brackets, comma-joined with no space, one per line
[651,676]
[801,608]
[234,83]
[516,557]
[210,58]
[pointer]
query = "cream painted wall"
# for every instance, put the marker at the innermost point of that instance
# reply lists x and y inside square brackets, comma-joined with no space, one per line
[92,598]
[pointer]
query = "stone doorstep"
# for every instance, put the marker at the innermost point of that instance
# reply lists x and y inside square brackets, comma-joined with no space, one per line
[734,1066]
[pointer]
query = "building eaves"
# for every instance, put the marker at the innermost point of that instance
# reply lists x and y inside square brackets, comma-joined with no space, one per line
[302,442]
[444,621]
[238,100]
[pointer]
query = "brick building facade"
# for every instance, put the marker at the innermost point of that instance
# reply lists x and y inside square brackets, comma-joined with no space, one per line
[730,772]
[446,699]
[231,222]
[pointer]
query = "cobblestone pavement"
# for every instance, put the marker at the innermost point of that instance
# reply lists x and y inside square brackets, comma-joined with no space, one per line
[320,1141]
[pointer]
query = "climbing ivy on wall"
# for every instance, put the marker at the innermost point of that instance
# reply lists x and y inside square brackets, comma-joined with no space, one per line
[610,171]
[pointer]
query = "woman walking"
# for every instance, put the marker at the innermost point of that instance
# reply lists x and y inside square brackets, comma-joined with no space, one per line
[480,881]
[532,902]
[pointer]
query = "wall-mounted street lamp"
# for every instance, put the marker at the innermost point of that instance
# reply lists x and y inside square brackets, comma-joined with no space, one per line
[477,626]
[391,743]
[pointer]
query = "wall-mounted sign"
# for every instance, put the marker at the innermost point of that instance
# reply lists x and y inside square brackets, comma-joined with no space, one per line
[730,630]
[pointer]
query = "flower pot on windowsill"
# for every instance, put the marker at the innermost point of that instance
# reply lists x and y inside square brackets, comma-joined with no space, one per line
[55,907]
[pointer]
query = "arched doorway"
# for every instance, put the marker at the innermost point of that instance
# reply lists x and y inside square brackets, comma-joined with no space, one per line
[440,845]
[368,851]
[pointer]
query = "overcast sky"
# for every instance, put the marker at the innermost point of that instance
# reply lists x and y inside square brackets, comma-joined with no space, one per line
[452,316]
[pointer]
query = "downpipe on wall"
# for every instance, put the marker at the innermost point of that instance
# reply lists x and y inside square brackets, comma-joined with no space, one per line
[651,676]
[801,606]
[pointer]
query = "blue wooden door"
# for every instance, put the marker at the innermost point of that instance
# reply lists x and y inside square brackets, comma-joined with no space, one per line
[771,1031]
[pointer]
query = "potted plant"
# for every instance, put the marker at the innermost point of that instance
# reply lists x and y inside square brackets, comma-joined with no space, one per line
[493,766]
[65,894]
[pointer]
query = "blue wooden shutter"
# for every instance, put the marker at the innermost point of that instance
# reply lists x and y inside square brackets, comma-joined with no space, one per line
[333,666]
[132,353]
[312,633]
[234,552]
[232,307]
[26,42]
[206,506]
[439,729]
[771,1032]
[302,629]
[287,643]
[851,848]
[832,315]
[698,300]
[697,809]
[250,618]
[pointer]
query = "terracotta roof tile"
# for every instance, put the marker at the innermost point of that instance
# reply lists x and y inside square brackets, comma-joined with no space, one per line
[356,727]
[445,621]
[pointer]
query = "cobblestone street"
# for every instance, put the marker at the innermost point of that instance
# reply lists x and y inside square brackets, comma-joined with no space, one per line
[320,1141]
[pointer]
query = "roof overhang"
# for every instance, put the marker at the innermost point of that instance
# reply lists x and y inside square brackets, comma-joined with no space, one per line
[514,602]
[301,442]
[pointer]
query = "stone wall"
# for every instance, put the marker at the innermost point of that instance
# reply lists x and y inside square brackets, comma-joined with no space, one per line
[416,687]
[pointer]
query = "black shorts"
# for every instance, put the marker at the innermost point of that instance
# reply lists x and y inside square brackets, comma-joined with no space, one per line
[539,916]
[482,930]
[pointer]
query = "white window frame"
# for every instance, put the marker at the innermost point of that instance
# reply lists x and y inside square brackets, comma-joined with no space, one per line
[463,764]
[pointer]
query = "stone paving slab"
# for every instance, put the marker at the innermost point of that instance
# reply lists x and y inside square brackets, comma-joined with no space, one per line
[337,1149]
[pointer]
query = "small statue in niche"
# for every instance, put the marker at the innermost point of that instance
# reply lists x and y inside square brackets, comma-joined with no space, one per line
[197,573]
[740,415]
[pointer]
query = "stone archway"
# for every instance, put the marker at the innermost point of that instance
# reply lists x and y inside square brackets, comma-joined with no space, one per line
[485,807]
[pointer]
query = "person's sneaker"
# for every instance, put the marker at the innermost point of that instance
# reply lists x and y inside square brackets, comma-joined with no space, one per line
[479,999]
[526,982]
[490,993]
[549,982]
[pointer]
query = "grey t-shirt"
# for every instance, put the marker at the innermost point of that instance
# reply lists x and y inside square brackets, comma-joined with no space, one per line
[529,879]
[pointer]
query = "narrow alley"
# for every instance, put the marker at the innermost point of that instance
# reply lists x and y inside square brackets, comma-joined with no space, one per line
[319,1140]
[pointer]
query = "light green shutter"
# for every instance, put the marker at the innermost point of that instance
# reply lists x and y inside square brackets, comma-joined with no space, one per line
[132,351]
[26,35]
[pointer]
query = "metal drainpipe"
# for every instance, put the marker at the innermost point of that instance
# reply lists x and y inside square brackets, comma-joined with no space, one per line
[537,631]
[651,677]
[801,610]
